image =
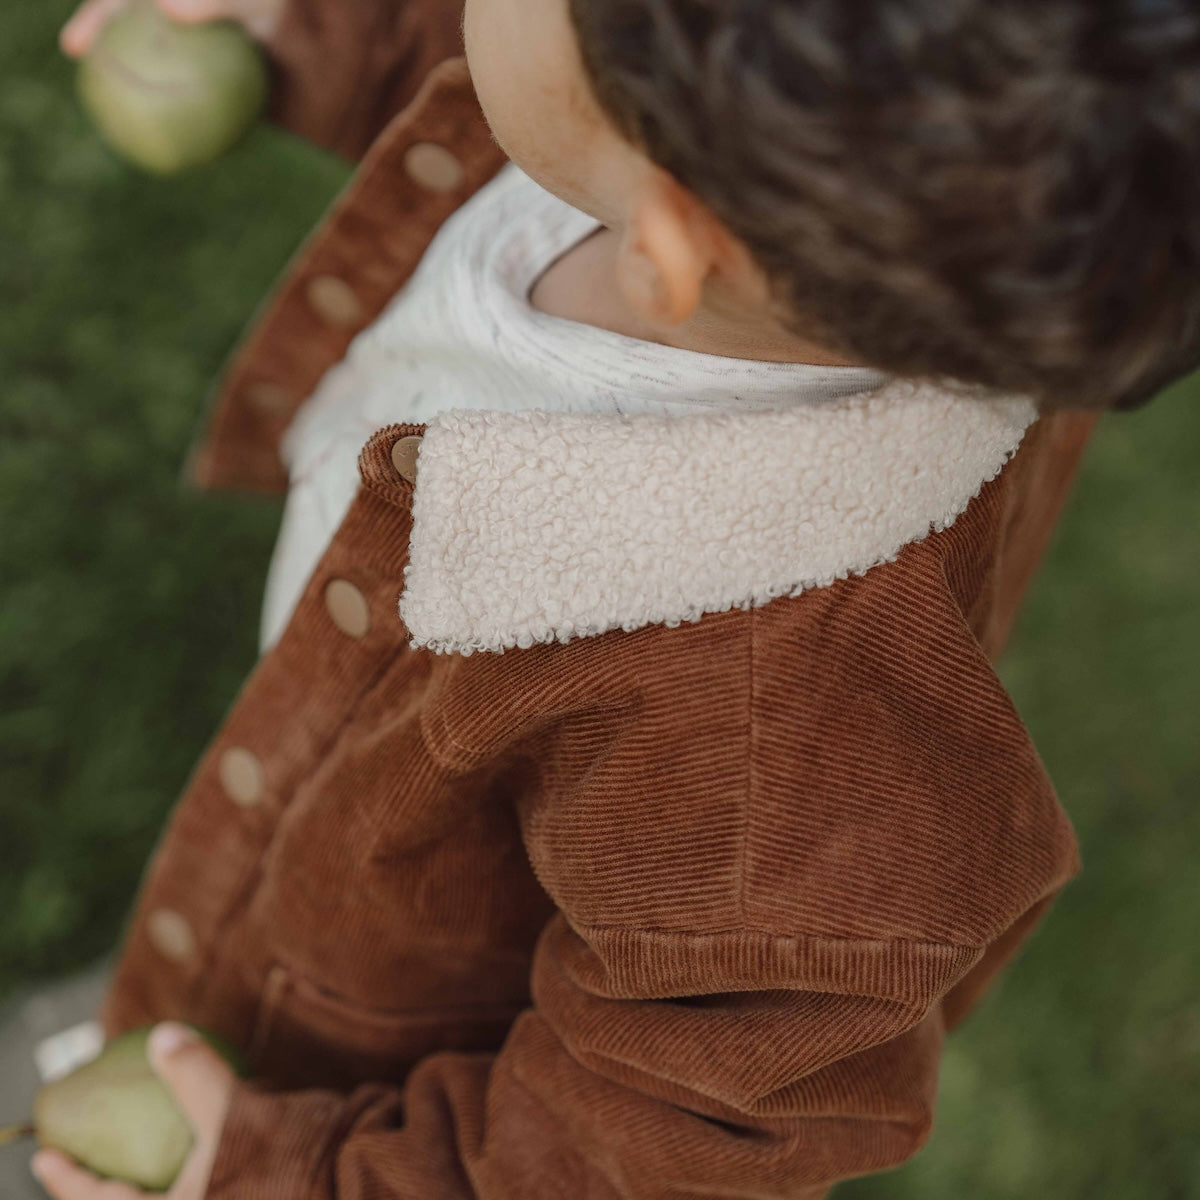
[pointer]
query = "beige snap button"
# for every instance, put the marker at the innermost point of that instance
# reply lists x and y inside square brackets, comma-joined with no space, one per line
[433,167]
[269,397]
[348,608]
[242,777]
[404,458]
[171,935]
[335,301]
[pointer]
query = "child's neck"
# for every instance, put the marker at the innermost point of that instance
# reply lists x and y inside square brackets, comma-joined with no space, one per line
[581,286]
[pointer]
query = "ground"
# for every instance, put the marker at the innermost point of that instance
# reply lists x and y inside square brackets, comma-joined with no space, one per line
[128,614]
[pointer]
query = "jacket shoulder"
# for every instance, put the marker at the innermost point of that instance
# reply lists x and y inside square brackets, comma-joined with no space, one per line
[844,762]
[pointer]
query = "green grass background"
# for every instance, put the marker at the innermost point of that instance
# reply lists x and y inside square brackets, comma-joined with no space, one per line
[128,611]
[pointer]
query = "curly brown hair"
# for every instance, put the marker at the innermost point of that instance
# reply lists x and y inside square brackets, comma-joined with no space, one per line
[1002,192]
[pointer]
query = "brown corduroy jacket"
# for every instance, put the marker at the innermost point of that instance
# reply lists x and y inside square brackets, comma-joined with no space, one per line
[631,805]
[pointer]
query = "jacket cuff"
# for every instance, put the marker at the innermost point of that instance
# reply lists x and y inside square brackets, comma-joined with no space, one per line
[274,1145]
[342,70]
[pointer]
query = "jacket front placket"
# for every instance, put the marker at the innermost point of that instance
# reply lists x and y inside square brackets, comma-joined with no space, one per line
[344,636]
[429,160]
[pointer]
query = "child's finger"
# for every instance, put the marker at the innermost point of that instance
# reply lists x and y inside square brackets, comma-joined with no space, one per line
[201,1081]
[66,1181]
[199,10]
[260,17]
[80,31]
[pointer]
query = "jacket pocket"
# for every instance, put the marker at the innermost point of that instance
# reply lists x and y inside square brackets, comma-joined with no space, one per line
[306,1036]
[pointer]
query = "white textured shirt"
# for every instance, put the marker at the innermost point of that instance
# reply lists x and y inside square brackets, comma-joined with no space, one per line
[462,334]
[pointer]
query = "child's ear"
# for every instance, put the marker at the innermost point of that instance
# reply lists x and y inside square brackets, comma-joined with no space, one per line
[669,247]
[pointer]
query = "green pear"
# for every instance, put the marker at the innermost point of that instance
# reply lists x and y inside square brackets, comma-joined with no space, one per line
[170,96]
[115,1116]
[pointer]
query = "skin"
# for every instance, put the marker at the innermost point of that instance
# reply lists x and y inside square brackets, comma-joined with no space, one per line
[260,17]
[663,269]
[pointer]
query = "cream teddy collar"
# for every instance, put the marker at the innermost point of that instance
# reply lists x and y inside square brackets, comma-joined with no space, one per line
[534,527]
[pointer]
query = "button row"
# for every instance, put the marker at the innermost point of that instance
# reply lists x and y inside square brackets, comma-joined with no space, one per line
[334,300]
[240,771]
[243,777]
[428,164]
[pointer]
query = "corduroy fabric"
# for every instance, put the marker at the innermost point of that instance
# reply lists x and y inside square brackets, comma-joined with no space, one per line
[670,914]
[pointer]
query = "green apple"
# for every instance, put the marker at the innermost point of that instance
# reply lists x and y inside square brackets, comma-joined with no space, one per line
[170,96]
[115,1116]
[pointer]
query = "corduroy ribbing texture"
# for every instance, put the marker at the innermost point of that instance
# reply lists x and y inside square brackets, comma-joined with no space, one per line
[667,914]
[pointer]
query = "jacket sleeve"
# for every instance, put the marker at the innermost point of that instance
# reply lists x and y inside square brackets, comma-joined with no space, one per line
[803,1073]
[343,68]
[865,852]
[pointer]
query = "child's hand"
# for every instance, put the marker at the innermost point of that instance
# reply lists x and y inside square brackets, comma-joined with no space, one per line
[260,17]
[202,1083]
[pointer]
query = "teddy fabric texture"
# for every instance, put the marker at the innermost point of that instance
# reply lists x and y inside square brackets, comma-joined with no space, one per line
[674,885]
[462,334]
[536,527]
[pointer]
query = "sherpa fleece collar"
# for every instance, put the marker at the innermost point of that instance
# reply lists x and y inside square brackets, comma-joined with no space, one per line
[533,527]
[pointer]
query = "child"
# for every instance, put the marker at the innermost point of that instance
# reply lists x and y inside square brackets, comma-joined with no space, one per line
[655,846]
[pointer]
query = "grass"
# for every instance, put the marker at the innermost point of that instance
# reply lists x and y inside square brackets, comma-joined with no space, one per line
[128,605]
[128,611]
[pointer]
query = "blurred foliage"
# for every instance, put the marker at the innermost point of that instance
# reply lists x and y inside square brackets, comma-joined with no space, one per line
[129,607]
[128,603]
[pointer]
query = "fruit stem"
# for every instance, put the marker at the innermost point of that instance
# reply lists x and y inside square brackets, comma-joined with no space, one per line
[14,1133]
